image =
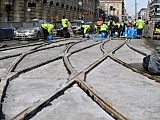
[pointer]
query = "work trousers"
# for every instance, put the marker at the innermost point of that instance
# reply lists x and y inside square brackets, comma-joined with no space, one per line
[45,33]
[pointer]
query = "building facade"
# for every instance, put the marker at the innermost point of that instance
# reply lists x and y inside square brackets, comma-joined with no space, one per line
[143,14]
[49,10]
[113,8]
[154,13]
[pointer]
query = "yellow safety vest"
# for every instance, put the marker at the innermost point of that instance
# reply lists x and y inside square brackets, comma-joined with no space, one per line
[86,27]
[103,27]
[140,24]
[48,27]
[64,22]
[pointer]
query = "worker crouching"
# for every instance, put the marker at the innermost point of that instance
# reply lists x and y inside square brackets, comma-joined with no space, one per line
[103,29]
[85,29]
[47,30]
[98,24]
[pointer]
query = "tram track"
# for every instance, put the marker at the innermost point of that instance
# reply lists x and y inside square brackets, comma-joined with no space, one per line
[23,48]
[133,67]
[31,51]
[76,75]
[82,85]
[15,74]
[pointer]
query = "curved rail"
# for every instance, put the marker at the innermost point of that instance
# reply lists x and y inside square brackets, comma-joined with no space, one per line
[75,78]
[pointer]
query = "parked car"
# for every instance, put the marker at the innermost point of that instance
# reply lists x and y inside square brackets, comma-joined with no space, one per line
[30,30]
[76,26]
[91,24]
[59,29]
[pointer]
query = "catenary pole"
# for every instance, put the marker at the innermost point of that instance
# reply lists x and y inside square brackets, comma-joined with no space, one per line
[136,9]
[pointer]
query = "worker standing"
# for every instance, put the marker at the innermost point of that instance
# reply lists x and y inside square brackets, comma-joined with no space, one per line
[111,25]
[65,25]
[47,29]
[140,25]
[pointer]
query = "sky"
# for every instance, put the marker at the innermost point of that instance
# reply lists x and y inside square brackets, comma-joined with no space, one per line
[130,5]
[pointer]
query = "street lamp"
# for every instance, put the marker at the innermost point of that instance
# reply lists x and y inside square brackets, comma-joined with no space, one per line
[28,14]
[80,4]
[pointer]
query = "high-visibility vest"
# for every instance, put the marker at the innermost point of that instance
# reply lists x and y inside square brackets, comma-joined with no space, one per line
[118,24]
[103,27]
[140,24]
[95,27]
[48,27]
[64,22]
[134,22]
[86,27]
[111,25]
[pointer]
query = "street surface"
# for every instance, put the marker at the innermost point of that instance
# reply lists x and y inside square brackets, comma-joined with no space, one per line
[78,79]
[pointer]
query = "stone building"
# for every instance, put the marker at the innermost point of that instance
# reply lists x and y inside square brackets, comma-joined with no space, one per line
[50,10]
[143,14]
[113,8]
[154,10]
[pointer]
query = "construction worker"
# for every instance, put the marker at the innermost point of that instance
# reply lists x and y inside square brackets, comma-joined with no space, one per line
[134,23]
[103,29]
[121,28]
[99,23]
[111,25]
[85,29]
[140,25]
[65,25]
[47,29]
[95,27]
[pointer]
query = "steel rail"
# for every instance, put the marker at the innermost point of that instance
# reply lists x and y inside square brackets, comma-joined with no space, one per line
[10,56]
[69,66]
[16,74]
[102,45]
[85,47]
[15,63]
[31,44]
[108,107]
[135,49]
[153,77]
[103,103]
[96,63]
[15,47]
[18,54]
[32,110]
